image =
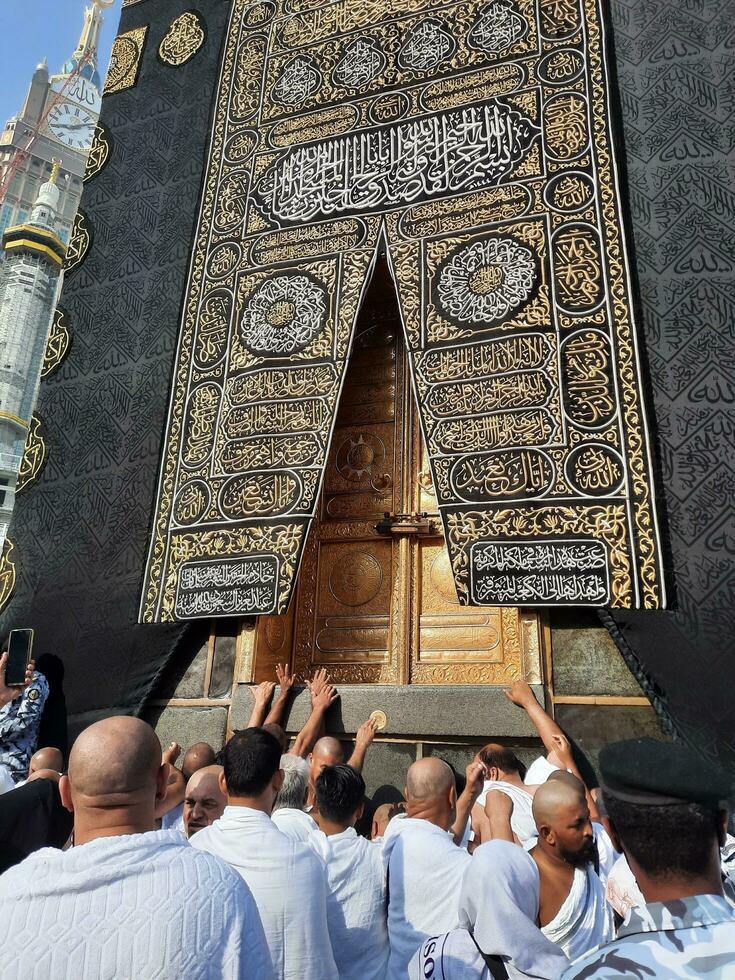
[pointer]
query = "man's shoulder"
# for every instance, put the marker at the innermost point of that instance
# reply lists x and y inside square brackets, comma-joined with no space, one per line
[16,880]
[671,953]
[215,869]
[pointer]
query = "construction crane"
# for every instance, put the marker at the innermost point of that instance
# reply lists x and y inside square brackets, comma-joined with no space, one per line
[22,153]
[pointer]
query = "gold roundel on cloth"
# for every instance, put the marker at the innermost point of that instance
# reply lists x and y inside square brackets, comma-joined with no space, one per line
[7,574]
[34,455]
[99,153]
[58,343]
[182,40]
[79,242]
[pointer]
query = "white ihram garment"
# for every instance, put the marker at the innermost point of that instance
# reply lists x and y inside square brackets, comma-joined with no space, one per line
[425,872]
[135,906]
[356,904]
[521,820]
[585,920]
[295,824]
[539,771]
[498,905]
[289,885]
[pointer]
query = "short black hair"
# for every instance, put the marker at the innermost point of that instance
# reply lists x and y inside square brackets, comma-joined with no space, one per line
[339,792]
[670,841]
[251,759]
[500,757]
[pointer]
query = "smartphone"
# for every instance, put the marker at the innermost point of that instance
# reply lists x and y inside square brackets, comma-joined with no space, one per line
[20,646]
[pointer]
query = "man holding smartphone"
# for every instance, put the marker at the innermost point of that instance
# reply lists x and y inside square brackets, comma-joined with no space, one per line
[21,708]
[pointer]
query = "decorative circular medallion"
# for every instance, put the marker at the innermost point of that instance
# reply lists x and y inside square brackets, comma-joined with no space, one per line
[360,456]
[487,280]
[389,107]
[561,67]
[79,242]
[355,579]
[298,81]
[123,62]
[58,343]
[497,28]
[426,45]
[232,202]
[99,152]
[570,191]
[259,14]
[223,260]
[595,470]
[34,455]
[240,147]
[361,63]
[284,315]
[192,502]
[182,40]
[7,573]
[213,328]
[380,718]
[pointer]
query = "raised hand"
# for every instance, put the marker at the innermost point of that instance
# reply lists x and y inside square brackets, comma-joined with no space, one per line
[326,697]
[563,749]
[285,679]
[521,694]
[365,734]
[318,682]
[263,693]
[475,774]
[7,693]
[171,754]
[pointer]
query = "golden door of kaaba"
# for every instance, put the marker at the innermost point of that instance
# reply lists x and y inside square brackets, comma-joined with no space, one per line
[376,601]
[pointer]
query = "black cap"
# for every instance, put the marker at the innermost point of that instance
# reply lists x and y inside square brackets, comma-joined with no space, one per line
[653,773]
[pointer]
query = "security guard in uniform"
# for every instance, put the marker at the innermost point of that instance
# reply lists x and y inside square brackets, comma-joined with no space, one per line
[667,810]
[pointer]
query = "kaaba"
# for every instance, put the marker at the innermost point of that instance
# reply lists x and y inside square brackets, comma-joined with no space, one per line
[396,339]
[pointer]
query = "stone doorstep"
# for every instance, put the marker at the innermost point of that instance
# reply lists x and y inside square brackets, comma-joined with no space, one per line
[420,711]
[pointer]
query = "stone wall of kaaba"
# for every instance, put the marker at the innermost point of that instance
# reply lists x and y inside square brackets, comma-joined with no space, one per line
[74,567]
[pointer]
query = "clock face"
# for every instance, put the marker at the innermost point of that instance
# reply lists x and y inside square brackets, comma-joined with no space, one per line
[82,91]
[72,125]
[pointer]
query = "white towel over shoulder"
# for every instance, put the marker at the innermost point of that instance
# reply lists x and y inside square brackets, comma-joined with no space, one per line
[585,920]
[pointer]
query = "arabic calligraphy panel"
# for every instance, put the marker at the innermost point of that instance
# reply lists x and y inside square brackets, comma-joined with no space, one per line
[474,140]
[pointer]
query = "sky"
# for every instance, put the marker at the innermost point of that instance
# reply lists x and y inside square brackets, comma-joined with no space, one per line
[31,30]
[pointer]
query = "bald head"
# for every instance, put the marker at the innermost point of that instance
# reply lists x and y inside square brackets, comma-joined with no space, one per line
[427,779]
[117,756]
[205,800]
[563,821]
[48,758]
[44,774]
[552,798]
[382,817]
[197,756]
[569,779]
[326,752]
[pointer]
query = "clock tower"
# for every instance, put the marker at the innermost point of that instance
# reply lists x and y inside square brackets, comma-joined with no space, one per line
[56,122]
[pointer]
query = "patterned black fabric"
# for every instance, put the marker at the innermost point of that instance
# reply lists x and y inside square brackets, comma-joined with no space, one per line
[676,73]
[80,532]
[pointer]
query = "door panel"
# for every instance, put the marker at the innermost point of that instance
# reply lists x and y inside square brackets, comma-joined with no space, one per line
[382,607]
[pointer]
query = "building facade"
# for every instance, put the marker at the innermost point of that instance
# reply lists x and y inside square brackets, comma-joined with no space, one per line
[30,281]
[56,122]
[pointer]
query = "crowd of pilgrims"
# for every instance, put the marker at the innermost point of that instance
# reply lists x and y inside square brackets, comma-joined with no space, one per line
[266,860]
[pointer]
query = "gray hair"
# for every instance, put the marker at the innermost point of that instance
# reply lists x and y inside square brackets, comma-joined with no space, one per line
[292,793]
